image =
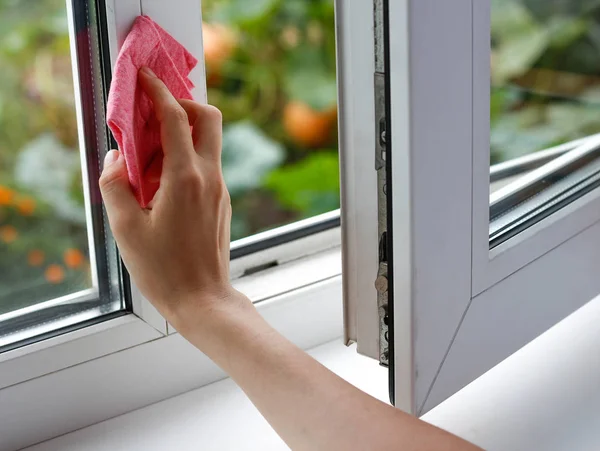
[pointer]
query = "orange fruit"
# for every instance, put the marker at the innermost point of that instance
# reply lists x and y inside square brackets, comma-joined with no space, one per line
[306,126]
[54,274]
[73,258]
[6,195]
[26,205]
[8,234]
[35,257]
[219,43]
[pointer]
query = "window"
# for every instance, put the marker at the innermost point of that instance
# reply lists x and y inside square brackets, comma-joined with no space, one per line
[544,76]
[280,159]
[59,338]
[58,265]
[429,291]
[271,71]
[489,215]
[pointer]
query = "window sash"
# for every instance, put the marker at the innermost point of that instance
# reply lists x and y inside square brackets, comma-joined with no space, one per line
[104,300]
[460,308]
[491,267]
[288,245]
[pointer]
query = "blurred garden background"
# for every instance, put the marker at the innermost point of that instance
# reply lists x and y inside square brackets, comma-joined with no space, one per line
[545,74]
[43,237]
[271,70]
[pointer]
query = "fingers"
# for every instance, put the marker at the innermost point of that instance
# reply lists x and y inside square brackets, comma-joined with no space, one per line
[124,212]
[207,123]
[174,128]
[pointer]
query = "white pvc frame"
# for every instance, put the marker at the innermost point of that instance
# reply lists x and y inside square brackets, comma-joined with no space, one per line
[528,284]
[356,81]
[459,308]
[60,384]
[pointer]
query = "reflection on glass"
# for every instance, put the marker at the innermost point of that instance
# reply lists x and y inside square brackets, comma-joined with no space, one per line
[545,110]
[44,250]
[271,71]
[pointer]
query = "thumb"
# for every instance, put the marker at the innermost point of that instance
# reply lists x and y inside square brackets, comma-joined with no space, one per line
[121,206]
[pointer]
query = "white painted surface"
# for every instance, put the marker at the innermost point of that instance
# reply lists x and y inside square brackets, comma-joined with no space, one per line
[431,132]
[545,397]
[356,106]
[63,351]
[510,314]
[218,417]
[85,394]
[182,20]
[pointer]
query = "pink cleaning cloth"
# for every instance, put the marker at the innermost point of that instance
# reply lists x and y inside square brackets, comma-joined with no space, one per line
[130,113]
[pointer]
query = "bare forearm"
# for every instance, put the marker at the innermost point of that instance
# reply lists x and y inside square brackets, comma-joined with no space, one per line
[309,406]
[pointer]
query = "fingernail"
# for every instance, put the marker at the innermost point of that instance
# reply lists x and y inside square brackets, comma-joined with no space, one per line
[111,157]
[146,70]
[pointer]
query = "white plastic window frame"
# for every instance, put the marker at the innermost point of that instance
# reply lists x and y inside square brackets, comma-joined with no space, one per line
[459,308]
[109,336]
[72,380]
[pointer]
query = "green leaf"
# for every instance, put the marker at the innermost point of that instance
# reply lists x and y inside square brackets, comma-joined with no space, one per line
[510,18]
[310,186]
[565,31]
[295,10]
[544,9]
[517,55]
[519,41]
[243,11]
[309,79]
[248,155]
[314,87]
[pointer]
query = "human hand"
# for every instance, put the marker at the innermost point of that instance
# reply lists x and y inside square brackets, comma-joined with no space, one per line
[177,252]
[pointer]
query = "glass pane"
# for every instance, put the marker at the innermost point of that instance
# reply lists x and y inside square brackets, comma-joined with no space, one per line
[271,71]
[48,228]
[43,234]
[545,108]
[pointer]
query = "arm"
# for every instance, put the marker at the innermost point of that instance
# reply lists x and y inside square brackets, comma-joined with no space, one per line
[178,254]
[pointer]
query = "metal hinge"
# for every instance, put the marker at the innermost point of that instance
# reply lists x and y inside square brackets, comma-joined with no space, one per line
[381,282]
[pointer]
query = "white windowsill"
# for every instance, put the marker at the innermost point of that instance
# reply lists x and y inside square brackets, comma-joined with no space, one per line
[546,396]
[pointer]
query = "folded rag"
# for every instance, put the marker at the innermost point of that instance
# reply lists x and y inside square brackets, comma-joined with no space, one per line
[129,110]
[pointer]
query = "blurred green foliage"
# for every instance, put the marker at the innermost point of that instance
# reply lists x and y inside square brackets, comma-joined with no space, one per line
[42,219]
[264,58]
[545,74]
[261,55]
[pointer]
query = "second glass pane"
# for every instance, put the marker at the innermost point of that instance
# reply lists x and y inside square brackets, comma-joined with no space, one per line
[271,71]
[545,74]
[545,109]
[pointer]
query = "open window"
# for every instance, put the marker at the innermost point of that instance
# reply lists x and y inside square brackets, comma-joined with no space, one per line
[462,240]
[68,312]
[487,228]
